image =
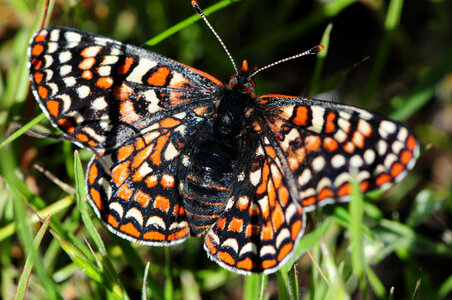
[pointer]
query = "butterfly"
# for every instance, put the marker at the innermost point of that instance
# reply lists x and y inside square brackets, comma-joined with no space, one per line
[180,153]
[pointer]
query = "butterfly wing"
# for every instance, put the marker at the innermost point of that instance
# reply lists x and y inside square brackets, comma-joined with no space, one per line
[261,224]
[136,109]
[328,144]
[102,92]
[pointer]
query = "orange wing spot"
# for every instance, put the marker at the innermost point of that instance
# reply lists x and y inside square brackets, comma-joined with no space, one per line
[277,217]
[330,144]
[40,37]
[325,193]
[344,190]
[349,147]
[313,143]
[161,203]
[364,186]
[121,172]
[284,251]
[382,179]
[267,231]
[53,107]
[221,223]
[210,245]
[271,193]
[122,91]
[263,187]
[411,142]
[178,235]
[87,74]
[112,221]
[309,201]
[95,195]
[87,63]
[93,173]
[141,156]
[329,126]
[139,144]
[151,181]
[67,125]
[268,263]
[125,193]
[200,111]
[301,118]
[43,92]
[82,137]
[36,63]
[169,123]
[226,257]
[142,198]
[38,77]
[178,210]
[405,157]
[251,230]
[130,230]
[283,195]
[167,181]
[396,169]
[295,229]
[92,143]
[270,151]
[159,77]
[236,225]
[246,264]
[125,152]
[156,156]
[37,49]
[126,66]
[358,139]
[104,82]
[154,236]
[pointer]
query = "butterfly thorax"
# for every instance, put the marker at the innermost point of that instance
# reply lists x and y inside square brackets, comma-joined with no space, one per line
[212,162]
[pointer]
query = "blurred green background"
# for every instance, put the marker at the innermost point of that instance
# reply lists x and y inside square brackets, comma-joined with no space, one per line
[393,57]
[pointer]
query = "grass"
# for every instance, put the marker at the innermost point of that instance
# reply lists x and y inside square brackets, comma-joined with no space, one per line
[389,245]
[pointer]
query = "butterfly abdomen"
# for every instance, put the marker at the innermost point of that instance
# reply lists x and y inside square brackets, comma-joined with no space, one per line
[207,183]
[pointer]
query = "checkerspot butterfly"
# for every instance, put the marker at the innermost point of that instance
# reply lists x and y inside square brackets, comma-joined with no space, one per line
[179,153]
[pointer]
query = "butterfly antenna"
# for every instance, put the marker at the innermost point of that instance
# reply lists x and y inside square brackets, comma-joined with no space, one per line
[313,50]
[199,11]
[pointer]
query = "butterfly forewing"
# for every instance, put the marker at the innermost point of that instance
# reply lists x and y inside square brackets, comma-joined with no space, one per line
[103,92]
[326,145]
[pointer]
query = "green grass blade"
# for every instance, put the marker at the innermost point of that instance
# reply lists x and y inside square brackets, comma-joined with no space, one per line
[190,20]
[80,196]
[321,56]
[23,281]
[24,232]
[356,207]
[253,286]
[391,23]
[22,130]
[52,209]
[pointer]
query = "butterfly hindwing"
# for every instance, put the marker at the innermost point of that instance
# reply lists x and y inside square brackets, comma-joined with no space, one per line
[261,224]
[327,144]
[140,199]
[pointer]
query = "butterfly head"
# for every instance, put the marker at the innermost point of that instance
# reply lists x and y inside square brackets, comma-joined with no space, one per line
[242,81]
